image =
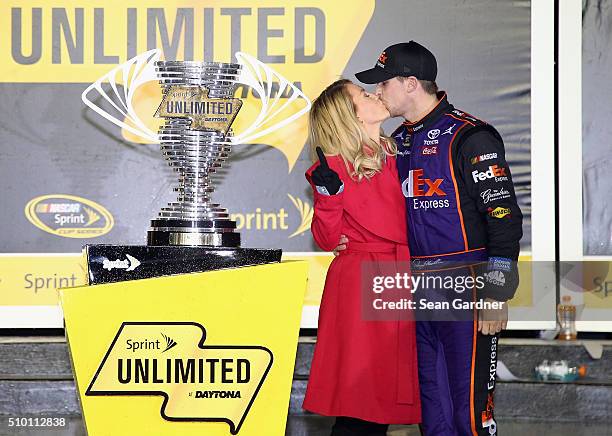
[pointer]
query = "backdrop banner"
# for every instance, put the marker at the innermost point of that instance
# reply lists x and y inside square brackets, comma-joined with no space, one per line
[69,177]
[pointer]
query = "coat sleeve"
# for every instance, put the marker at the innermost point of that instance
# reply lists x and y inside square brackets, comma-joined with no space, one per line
[487,178]
[326,223]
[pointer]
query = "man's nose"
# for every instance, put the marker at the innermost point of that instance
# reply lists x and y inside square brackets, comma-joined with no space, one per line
[378,91]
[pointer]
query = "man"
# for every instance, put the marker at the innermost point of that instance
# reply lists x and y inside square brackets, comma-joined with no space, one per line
[461,207]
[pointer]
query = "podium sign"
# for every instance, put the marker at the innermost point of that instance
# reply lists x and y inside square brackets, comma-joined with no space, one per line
[203,353]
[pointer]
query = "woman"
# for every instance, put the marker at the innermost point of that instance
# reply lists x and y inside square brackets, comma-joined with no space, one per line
[363,372]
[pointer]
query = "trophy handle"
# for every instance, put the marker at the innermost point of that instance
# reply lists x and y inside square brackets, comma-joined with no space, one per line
[131,74]
[141,69]
[259,77]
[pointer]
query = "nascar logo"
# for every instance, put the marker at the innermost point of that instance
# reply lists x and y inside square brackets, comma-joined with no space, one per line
[483,157]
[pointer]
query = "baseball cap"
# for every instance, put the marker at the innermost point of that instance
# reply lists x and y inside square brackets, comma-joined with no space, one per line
[403,59]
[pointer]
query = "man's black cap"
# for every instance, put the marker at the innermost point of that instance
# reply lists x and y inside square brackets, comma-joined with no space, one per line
[403,59]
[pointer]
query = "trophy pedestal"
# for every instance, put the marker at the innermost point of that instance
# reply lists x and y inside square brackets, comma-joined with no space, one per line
[208,353]
[117,263]
[213,233]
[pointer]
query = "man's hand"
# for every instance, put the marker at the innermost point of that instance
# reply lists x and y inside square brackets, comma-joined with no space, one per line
[341,245]
[324,177]
[492,321]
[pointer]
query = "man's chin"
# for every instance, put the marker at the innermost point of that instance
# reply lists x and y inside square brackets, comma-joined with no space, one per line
[392,113]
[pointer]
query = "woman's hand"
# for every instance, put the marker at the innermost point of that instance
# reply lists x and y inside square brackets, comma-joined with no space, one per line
[493,321]
[341,245]
[323,176]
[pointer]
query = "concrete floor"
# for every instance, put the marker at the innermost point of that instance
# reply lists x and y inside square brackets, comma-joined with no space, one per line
[319,426]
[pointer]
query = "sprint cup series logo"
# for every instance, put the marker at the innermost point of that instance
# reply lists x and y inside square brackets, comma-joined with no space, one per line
[198,382]
[69,216]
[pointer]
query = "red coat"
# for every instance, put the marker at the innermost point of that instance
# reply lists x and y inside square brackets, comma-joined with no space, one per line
[362,369]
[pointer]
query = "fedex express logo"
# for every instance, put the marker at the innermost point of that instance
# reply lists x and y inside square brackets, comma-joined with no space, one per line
[494,171]
[487,419]
[416,186]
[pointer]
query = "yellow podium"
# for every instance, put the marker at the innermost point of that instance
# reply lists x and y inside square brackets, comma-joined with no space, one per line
[207,353]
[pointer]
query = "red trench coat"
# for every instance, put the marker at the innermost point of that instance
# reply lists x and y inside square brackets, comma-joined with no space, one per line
[362,369]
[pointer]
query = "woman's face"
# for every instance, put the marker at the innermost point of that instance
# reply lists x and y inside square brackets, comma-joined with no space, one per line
[368,107]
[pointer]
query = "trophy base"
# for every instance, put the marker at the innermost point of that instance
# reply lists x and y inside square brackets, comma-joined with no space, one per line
[193,239]
[116,263]
[206,233]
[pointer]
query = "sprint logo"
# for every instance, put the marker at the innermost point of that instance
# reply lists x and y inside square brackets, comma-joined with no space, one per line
[129,264]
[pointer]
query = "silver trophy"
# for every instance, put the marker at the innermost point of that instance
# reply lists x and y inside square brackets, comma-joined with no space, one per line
[199,108]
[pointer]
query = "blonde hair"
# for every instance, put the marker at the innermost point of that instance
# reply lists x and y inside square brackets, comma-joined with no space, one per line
[333,126]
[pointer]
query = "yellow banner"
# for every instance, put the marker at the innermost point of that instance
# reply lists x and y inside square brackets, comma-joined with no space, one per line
[68,41]
[34,280]
[596,278]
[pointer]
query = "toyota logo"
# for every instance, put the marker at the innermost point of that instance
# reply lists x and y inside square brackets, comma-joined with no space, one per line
[433,134]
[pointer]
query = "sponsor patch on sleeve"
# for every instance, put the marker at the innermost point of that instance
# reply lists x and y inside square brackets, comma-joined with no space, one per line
[483,157]
[489,195]
[499,264]
[499,212]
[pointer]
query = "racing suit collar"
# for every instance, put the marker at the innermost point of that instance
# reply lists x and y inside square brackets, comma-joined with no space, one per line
[442,107]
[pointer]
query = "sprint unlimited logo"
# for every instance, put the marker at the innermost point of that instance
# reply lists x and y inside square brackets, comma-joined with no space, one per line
[214,383]
[69,216]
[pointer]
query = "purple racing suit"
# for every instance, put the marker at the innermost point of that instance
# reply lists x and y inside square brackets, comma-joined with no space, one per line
[461,207]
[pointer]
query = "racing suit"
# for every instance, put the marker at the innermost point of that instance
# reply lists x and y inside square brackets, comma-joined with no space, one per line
[461,207]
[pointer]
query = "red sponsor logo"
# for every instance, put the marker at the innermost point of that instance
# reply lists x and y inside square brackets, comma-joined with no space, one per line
[382,58]
[429,150]
[418,186]
[487,416]
[488,412]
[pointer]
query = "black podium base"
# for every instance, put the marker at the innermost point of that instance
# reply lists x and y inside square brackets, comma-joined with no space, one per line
[116,263]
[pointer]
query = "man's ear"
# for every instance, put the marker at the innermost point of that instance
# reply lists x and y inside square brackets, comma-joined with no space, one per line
[411,84]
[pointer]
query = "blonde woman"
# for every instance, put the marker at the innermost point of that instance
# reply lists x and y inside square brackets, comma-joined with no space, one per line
[363,372]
